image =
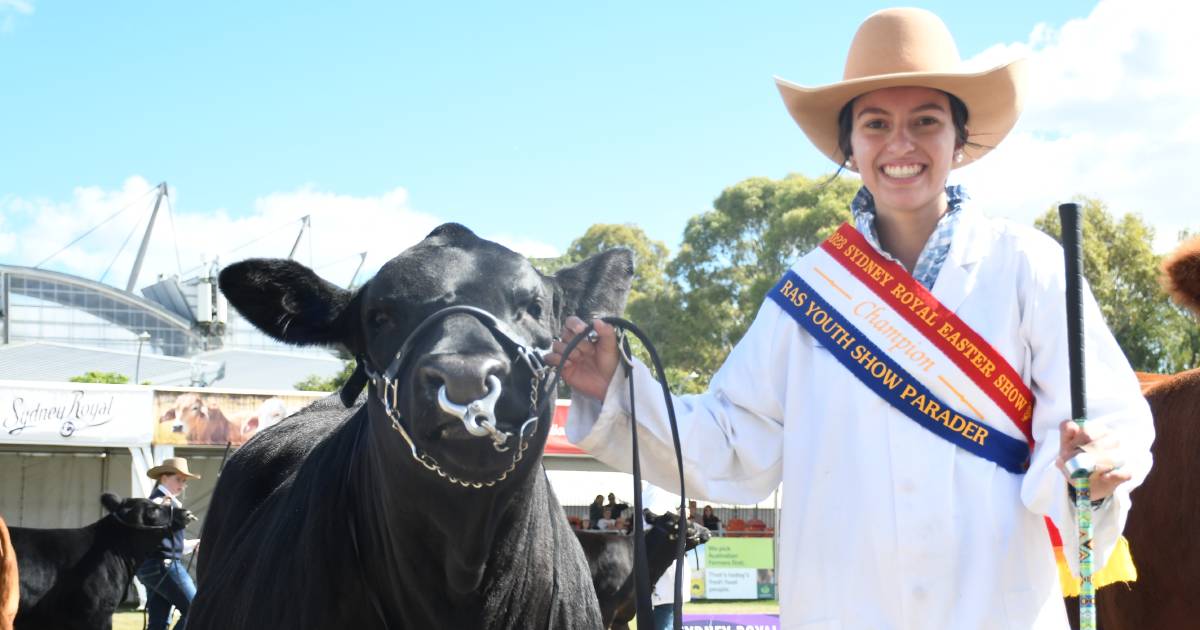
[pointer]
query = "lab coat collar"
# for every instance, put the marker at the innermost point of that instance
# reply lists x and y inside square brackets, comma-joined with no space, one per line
[957,277]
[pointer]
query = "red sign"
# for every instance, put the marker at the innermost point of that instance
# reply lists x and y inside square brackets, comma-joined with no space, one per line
[557,443]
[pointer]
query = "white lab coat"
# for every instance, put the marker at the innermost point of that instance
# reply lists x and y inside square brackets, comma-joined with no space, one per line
[884,524]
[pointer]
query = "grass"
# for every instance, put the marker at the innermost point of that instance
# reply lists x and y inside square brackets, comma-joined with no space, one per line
[132,619]
[129,620]
[749,607]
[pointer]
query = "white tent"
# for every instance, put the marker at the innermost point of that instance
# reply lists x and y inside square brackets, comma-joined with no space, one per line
[63,444]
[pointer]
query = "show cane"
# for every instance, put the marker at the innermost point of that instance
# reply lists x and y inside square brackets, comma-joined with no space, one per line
[1081,465]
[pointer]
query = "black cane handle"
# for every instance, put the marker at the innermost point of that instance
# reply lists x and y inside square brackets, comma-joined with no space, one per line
[1072,241]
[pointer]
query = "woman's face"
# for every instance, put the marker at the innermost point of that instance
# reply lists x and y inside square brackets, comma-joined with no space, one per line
[902,140]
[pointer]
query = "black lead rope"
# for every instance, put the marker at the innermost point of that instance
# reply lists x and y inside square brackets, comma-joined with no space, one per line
[645,614]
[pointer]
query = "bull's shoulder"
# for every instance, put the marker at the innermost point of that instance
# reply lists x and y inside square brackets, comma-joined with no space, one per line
[256,546]
[263,466]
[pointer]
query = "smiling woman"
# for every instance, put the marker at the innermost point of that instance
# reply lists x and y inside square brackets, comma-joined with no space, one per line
[927,457]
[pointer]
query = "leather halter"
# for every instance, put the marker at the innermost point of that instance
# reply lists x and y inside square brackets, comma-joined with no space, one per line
[386,387]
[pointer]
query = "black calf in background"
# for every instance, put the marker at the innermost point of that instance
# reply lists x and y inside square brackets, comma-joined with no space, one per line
[610,558]
[73,579]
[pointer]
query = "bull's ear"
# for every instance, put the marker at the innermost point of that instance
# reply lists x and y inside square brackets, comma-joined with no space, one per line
[597,286]
[290,302]
[110,501]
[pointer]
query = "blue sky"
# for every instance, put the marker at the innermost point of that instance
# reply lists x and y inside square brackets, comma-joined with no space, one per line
[526,121]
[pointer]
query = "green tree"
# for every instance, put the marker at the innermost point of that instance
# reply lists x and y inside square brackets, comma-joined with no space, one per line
[315,383]
[1122,270]
[652,298]
[92,376]
[649,256]
[733,254]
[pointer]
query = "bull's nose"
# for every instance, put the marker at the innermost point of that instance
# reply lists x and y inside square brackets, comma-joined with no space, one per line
[464,376]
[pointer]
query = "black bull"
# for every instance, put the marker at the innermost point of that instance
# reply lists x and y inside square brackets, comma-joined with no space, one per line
[328,520]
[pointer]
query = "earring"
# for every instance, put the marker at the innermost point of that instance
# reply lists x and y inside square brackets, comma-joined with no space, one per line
[850,162]
[958,157]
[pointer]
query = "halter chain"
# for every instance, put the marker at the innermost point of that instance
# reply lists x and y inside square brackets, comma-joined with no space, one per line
[427,460]
[387,387]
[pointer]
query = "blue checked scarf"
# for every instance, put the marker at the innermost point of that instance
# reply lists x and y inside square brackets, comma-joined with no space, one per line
[933,256]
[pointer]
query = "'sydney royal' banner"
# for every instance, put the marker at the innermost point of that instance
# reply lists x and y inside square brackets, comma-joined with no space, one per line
[74,414]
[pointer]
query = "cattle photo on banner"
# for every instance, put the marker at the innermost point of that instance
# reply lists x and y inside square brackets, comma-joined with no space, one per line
[214,417]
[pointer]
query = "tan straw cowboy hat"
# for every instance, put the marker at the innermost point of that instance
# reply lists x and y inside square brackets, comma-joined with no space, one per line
[177,465]
[909,47]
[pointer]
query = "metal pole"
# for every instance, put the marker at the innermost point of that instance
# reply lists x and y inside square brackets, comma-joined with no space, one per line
[303,224]
[141,255]
[142,338]
[4,304]
[361,260]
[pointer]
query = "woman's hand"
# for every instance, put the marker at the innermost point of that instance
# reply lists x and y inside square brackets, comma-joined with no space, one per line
[591,366]
[1103,446]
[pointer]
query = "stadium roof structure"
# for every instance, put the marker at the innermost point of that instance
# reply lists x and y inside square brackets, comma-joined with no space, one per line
[226,368]
[264,369]
[47,361]
[171,334]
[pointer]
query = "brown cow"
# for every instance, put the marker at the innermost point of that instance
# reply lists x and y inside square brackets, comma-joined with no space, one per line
[1166,507]
[191,420]
[10,586]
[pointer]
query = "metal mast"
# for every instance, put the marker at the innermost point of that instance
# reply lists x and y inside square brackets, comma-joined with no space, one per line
[362,259]
[303,225]
[141,255]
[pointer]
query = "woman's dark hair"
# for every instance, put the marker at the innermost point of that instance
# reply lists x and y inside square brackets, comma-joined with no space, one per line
[958,115]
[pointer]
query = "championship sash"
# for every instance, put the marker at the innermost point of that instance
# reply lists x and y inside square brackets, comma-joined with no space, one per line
[900,342]
[895,337]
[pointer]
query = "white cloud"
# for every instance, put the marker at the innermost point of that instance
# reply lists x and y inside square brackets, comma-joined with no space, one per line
[1111,113]
[20,6]
[342,226]
[526,246]
[8,8]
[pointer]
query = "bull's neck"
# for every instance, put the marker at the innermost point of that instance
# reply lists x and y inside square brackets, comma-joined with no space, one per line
[419,524]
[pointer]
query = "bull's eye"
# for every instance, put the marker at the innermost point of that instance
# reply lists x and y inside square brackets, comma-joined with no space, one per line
[379,319]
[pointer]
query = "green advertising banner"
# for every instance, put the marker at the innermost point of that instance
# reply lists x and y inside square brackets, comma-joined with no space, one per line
[739,553]
[735,568]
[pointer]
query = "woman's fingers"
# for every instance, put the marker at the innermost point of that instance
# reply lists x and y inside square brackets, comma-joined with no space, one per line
[1104,483]
[593,359]
[1103,446]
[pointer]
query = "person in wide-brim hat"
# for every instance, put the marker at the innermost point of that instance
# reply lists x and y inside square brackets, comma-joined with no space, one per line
[163,573]
[889,521]
[909,48]
[175,465]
